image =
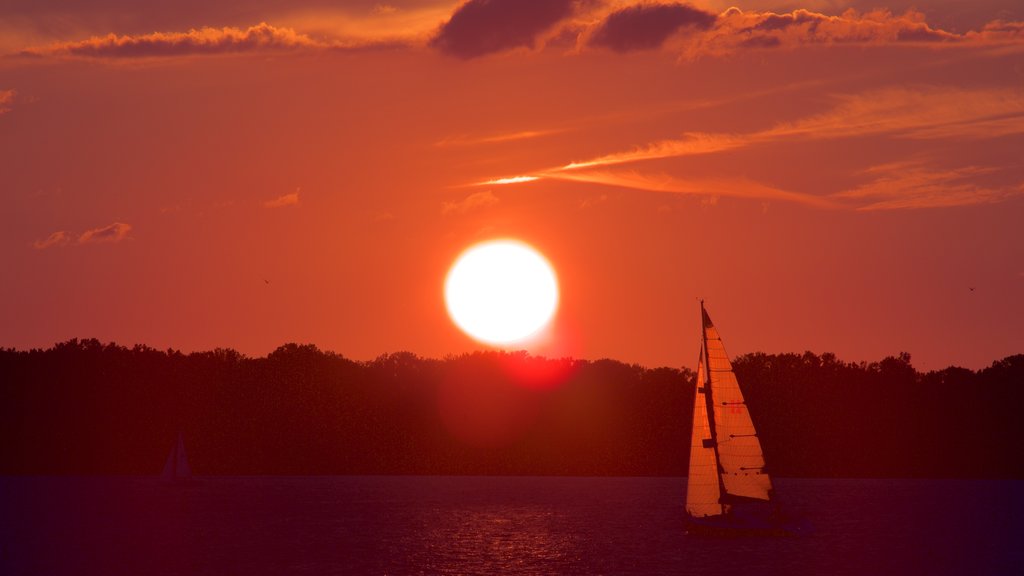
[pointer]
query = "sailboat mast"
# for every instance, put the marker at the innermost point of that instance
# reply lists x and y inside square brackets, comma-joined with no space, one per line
[709,401]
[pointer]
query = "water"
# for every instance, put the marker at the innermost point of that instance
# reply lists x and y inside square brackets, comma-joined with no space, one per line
[495,525]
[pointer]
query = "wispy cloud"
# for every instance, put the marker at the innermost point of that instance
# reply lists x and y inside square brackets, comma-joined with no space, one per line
[913,184]
[57,239]
[290,199]
[464,140]
[115,232]
[474,201]
[712,187]
[592,201]
[6,99]
[509,180]
[921,113]
[261,37]
[736,30]
[918,113]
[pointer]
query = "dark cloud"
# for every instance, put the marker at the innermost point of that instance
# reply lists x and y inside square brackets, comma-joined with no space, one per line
[481,27]
[647,26]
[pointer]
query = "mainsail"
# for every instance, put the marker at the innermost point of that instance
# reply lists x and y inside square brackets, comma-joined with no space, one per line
[702,485]
[726,462]
[176,468]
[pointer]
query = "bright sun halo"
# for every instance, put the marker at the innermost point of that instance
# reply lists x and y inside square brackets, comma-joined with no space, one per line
[501,291]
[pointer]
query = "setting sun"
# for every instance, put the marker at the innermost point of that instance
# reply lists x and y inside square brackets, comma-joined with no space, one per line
[501,291]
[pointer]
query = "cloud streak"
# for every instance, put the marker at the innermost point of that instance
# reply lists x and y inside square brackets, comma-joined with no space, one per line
[201,41]
[736,30]
[6,100]
[113,233]
[711,187]
[290,199]
[914,185]
[109,234]
[57,239]
[494,138]
[923,113]
[472,202]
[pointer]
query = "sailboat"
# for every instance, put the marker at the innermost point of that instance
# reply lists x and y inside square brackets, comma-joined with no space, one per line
[728,490]
[176,469]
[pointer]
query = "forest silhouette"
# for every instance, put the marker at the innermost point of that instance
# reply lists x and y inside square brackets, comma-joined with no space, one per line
[84,407]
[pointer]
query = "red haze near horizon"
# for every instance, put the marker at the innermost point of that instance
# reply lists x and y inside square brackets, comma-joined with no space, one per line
[827,175]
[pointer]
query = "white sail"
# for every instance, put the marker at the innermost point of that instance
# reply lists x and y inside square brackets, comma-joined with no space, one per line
[702,493]
[739,450]
[176,467]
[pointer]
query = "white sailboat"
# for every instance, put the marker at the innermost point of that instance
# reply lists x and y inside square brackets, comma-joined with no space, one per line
[176,468]
[728,489]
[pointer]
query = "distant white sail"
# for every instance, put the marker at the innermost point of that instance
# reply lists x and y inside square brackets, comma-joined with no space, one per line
[176,467]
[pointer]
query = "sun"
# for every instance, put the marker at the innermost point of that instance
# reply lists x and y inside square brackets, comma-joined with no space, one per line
[501,291]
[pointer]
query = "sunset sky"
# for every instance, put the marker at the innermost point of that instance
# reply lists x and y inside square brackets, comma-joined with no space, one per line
[829,175]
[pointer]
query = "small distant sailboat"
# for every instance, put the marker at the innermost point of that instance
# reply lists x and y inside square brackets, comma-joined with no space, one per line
[176,469]
[728,490]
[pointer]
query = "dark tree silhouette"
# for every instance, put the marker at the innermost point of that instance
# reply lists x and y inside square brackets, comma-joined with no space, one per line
[84,407]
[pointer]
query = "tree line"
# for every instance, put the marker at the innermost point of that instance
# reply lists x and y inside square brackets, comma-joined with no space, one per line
[84,407]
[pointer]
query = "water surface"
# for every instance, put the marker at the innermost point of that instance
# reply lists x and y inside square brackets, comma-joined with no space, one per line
[493,525]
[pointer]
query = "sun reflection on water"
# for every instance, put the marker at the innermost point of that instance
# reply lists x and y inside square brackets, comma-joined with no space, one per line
[495,539]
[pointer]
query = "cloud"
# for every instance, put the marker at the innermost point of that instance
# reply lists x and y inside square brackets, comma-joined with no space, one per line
[472,202]
[115,232]
[925,112]
[592,201]
[508,180]
[494,138]
[6,100]
[909,185]
[999,30]
[647,26]
[737,30]
[57,239]
[730,187]
[290,199]
[916,113]
[481,27]
[262,37]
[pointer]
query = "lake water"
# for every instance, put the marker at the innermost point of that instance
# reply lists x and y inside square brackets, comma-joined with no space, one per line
[493,525]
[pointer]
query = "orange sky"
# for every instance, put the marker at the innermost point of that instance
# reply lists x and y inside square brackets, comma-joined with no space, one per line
[827,175]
